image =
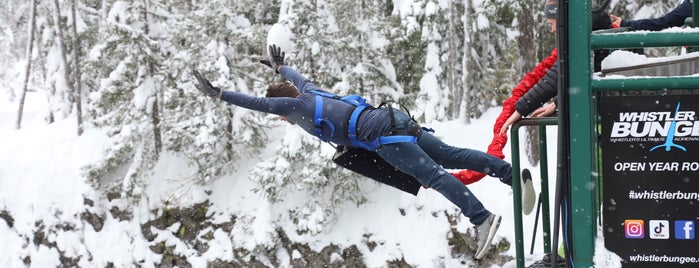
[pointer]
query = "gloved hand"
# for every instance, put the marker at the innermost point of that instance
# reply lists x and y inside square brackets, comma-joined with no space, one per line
[205,86]
[276,58]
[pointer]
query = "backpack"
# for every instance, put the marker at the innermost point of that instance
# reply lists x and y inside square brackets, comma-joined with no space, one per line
[396,134]
[362,157]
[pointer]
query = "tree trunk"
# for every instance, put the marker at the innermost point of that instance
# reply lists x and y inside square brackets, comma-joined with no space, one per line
[466,61]
[453,78]
[76,70]
[527,50]
[65,96]
[27,70]
[155,111]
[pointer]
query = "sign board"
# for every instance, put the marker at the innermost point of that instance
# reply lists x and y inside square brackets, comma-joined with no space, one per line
[650,172]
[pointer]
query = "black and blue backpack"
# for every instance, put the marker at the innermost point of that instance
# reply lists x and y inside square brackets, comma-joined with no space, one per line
[361,157]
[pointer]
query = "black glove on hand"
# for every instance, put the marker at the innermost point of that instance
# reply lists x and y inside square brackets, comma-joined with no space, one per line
[276,58]
[205,86]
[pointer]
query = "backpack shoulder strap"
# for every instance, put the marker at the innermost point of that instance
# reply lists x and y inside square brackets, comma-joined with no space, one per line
[318,120]
[324,94]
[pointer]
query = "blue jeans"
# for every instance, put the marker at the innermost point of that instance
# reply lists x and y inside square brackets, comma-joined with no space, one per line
[427,160]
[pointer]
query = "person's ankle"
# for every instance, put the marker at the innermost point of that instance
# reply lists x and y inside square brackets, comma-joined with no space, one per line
[507,181]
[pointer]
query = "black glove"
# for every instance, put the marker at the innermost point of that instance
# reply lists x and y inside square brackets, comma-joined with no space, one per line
[205,86]
[276,58]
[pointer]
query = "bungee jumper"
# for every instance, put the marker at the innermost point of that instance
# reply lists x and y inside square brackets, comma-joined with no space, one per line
[384,132]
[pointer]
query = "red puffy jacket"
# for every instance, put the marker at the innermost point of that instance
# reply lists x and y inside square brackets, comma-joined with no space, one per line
[508,107]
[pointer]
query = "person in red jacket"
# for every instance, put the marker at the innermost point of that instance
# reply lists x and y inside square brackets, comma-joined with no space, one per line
[508,106]
[534,102]
[523,101]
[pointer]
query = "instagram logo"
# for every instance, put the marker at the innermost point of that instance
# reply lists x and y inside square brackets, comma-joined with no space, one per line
[633,229]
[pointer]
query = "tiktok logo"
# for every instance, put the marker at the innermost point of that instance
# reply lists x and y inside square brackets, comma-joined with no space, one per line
[684,229]
[669,141]
[659,229]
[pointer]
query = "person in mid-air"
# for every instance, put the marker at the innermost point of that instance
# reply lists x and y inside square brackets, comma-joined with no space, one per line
[391,133]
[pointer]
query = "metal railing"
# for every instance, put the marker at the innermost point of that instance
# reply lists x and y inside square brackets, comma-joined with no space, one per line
[543,198]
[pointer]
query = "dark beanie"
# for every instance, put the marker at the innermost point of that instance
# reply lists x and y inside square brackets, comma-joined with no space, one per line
[601,20]
[550,9]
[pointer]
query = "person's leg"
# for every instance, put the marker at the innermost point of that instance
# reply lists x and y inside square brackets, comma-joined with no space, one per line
[463,158]
[410,159]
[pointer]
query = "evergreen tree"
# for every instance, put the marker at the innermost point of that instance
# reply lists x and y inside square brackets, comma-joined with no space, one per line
[128,102]
[336,49]
[433,99]
[29,59]
[13,38]
[218,42]
[534,44]
[407,49]
[167,41]
[62,86]
[361,44]
[456,71]
[493,57]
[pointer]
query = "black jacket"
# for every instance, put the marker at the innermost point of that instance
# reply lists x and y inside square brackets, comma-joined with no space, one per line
[545,89]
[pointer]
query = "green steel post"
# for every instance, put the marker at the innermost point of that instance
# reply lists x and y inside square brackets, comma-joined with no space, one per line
[517,186]
[517,196]
[646,83]
[643,39]
[543,167]
[695,11]
[582,200]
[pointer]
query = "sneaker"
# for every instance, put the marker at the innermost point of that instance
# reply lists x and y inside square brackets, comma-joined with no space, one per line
[548,260]
[485,233]
[528,193]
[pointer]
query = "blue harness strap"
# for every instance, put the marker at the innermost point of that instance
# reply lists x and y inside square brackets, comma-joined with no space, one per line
[318,120]
[361,105]
[352,125]
[396,139]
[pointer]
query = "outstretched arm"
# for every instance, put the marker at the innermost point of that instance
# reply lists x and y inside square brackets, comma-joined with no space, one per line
[300,82]
[279,106]
[674,18]
[530,104]
[276,62]
[544,89]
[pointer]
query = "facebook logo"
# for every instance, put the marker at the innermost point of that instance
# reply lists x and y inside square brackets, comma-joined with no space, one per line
[684,230]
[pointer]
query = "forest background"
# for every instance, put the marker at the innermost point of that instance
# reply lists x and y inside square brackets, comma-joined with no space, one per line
[123,68]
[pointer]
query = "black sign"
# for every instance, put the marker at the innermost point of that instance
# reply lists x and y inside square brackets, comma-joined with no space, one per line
[650,173]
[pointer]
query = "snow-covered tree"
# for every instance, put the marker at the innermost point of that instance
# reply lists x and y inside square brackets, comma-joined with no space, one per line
[222,44]
[339,47]
[147,96]
[125,68]
[455,71]
[492,66]
[407,51]
[13,38]
[433,99]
